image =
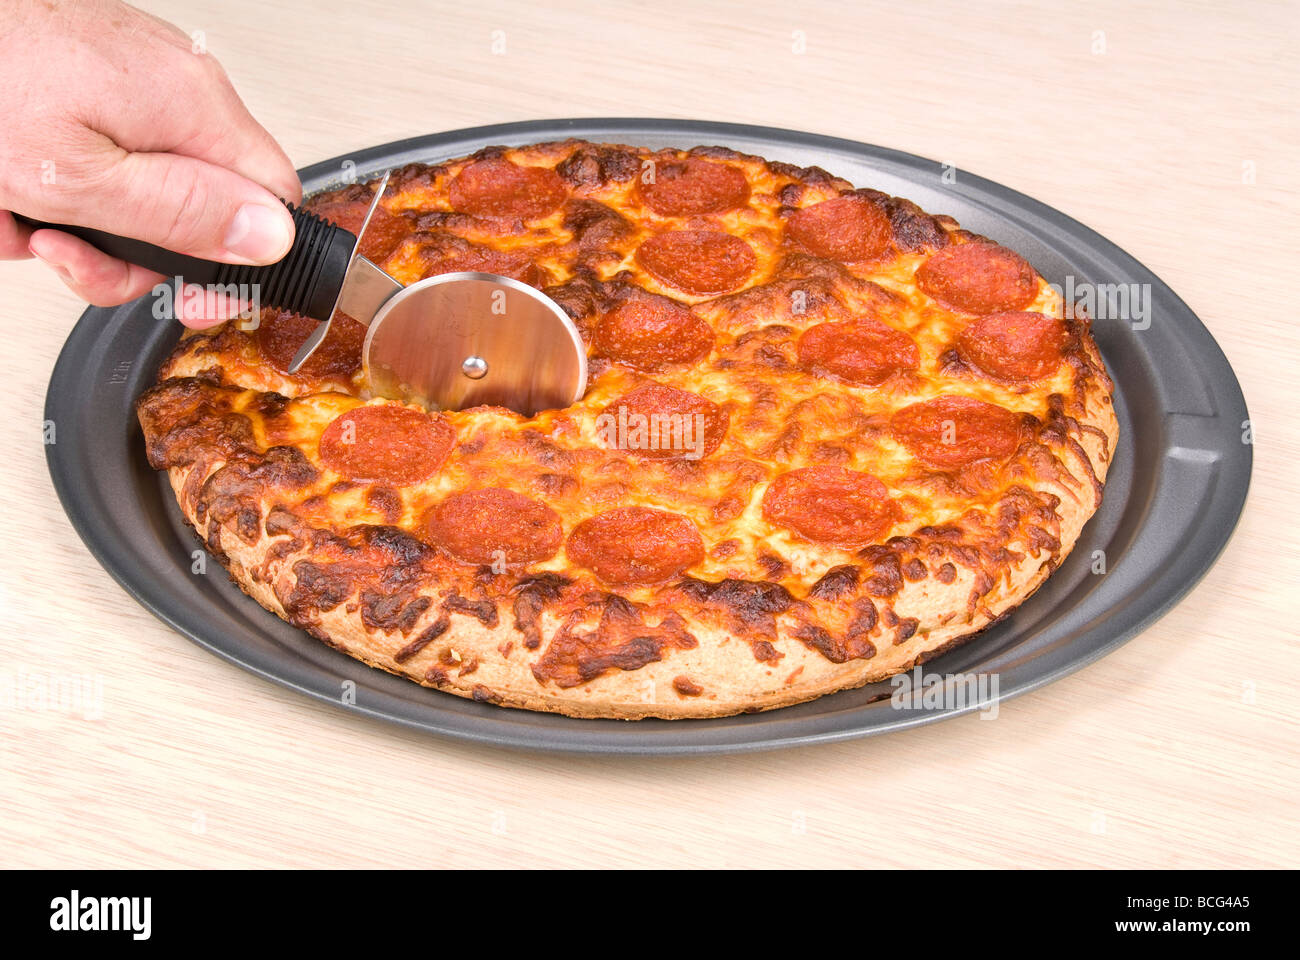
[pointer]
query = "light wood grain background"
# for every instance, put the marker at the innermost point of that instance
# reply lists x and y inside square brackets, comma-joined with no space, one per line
[1178,750]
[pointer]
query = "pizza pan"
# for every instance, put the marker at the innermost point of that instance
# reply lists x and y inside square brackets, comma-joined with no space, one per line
[1178,483]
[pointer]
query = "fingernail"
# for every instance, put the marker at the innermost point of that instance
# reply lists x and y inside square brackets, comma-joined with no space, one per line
[259,234]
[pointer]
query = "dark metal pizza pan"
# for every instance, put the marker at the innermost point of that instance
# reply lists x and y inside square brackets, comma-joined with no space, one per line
[1173,497]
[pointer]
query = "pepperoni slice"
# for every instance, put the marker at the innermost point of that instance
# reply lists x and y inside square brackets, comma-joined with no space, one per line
[700,262]
[652,333]
[846,228]
[339,356]
[664,423]
[500,189]
[860,351]
[978,278]
[635,545]
[830,505]
[1014,346]
[949,432]
[694,187]
[385,231]
[493,524]
[386,444]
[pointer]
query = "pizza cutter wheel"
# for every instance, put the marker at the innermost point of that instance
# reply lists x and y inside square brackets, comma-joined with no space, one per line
[448,342]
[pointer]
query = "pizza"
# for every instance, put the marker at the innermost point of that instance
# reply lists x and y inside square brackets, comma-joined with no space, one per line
[826,436]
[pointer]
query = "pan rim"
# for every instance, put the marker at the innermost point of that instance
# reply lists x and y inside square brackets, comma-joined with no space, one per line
[101,523]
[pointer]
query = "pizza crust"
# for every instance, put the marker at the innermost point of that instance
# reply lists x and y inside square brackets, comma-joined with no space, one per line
[800,675]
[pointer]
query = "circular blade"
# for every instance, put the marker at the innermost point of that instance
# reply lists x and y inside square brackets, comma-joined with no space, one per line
[468,339]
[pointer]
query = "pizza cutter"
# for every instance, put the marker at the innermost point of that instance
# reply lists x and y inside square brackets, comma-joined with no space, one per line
[450,341]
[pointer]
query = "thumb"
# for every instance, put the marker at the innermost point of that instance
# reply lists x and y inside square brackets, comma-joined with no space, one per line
[191,207]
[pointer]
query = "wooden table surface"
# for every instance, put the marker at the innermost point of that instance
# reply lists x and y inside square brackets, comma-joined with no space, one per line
[1169,128]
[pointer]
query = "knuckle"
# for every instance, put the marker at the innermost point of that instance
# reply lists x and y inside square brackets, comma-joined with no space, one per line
[200,68]
[94,290]
[109,283]
[178,215]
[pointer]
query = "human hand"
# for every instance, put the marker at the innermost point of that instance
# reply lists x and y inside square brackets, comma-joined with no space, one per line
[113,121]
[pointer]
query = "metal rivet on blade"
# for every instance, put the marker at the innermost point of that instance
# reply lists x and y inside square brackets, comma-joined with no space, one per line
[474,367]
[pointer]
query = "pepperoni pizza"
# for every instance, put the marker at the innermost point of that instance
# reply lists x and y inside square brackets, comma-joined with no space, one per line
[826,436]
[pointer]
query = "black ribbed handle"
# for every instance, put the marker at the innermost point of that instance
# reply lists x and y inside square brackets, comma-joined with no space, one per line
[306,281]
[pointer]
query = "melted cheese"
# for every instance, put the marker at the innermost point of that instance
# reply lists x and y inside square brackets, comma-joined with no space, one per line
[780,416]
